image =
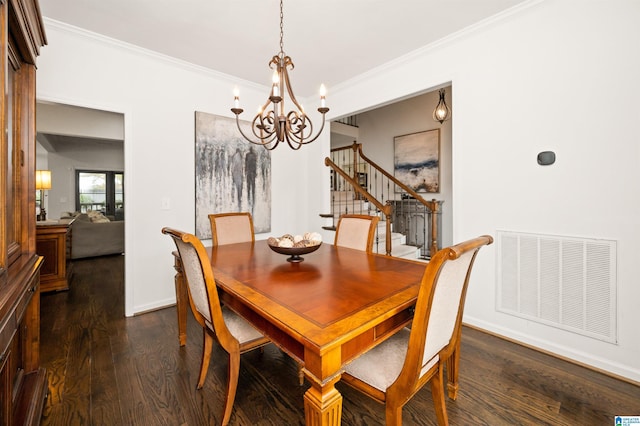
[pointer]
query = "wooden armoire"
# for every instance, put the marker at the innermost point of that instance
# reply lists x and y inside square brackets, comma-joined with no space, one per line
[23,384]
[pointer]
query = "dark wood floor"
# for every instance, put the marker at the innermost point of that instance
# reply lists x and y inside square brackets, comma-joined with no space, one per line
[105,369]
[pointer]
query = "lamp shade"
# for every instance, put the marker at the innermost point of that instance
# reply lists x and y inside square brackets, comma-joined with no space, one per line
[43,179]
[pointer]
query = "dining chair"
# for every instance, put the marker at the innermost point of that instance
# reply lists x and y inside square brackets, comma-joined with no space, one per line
[234,334]
[356,231]
[392,372]
[229,228]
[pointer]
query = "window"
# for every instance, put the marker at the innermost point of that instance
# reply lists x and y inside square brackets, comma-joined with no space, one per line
[101,191]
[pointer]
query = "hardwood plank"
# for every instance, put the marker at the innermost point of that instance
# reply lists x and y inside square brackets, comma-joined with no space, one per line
[108,369]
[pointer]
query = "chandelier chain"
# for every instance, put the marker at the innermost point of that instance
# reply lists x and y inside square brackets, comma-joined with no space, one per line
[281,30]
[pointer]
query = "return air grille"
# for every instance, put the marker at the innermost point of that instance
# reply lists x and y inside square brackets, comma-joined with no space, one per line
[564,282]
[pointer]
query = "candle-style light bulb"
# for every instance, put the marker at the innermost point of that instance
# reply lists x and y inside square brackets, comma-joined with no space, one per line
[236,97]
[276,83]
[323,94]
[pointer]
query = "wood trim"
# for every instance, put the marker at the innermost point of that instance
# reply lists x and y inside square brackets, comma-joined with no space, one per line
[4,264]
[27,28]
[27,132]
[12,55]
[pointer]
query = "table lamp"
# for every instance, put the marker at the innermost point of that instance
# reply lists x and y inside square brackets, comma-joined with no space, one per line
[43,182]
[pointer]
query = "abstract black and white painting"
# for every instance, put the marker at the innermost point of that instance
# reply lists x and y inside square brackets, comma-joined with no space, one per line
[417,160]
[232,175]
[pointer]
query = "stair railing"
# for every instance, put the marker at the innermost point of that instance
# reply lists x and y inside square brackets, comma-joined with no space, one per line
[385,209]
[370,182]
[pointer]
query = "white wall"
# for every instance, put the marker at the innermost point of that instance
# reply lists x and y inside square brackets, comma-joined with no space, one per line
[556,75]
[80,122]
[158,97]
[560,75]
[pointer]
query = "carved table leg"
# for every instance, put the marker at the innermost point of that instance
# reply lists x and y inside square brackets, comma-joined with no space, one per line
[323,404]
[181,300]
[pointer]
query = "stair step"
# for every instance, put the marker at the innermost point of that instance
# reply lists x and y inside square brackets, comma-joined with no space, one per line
[410,252]
[404,251]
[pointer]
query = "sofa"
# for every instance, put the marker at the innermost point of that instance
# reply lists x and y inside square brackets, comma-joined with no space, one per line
[95,238]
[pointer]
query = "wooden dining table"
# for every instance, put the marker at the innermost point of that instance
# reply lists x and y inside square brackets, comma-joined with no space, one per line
[324,311]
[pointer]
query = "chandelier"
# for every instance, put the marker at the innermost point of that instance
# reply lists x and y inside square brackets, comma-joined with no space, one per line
[442,111]
[272,124]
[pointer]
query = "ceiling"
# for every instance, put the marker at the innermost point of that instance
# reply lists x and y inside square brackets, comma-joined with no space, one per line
[329,41]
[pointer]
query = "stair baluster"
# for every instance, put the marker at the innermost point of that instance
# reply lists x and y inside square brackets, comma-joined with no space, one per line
[360,186]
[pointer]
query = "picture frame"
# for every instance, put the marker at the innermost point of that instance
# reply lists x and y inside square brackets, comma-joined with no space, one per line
[417,161]
[231,174]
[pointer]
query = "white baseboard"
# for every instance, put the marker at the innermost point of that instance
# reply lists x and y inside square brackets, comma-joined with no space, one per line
[620,371]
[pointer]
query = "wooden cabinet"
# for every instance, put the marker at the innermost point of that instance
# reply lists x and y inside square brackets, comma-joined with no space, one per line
[53,242]
[23,383]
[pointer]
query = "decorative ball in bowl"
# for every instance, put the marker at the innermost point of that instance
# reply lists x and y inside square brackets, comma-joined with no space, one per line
[295,245]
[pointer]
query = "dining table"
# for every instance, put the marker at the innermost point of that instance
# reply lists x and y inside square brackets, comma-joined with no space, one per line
[325,310]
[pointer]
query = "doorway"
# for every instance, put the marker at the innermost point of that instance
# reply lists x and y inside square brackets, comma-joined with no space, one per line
[377,127]
[71,139]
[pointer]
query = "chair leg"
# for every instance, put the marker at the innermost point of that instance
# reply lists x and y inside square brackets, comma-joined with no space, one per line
[206,357]
[232,385]
[437,393]
[393,414]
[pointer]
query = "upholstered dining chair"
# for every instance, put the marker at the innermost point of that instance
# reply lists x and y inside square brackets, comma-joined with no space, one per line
[395,370]
[229,228]
[232,332]
[356,231]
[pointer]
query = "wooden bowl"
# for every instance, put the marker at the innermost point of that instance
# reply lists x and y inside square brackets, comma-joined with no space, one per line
[294,253]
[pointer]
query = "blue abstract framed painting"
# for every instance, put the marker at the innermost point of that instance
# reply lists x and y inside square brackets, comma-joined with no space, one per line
[417,160]
[232,175]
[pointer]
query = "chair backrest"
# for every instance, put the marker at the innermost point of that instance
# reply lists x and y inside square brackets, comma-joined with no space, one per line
[197,271]
[230,228]
[437,321]
[356,231]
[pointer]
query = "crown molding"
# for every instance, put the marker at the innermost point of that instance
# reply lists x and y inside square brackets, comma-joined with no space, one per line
[438,44]
[132,48]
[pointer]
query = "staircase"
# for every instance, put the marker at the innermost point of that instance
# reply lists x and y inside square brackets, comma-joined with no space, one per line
[360,186]
[347,202]
[399,248]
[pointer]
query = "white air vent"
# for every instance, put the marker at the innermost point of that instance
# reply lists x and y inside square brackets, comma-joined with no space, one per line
[564,282]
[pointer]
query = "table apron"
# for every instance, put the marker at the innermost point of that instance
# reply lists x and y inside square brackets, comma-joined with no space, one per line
[323,363]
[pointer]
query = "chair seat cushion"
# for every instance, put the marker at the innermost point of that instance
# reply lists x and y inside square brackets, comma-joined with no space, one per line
[381,366]
[239,327]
